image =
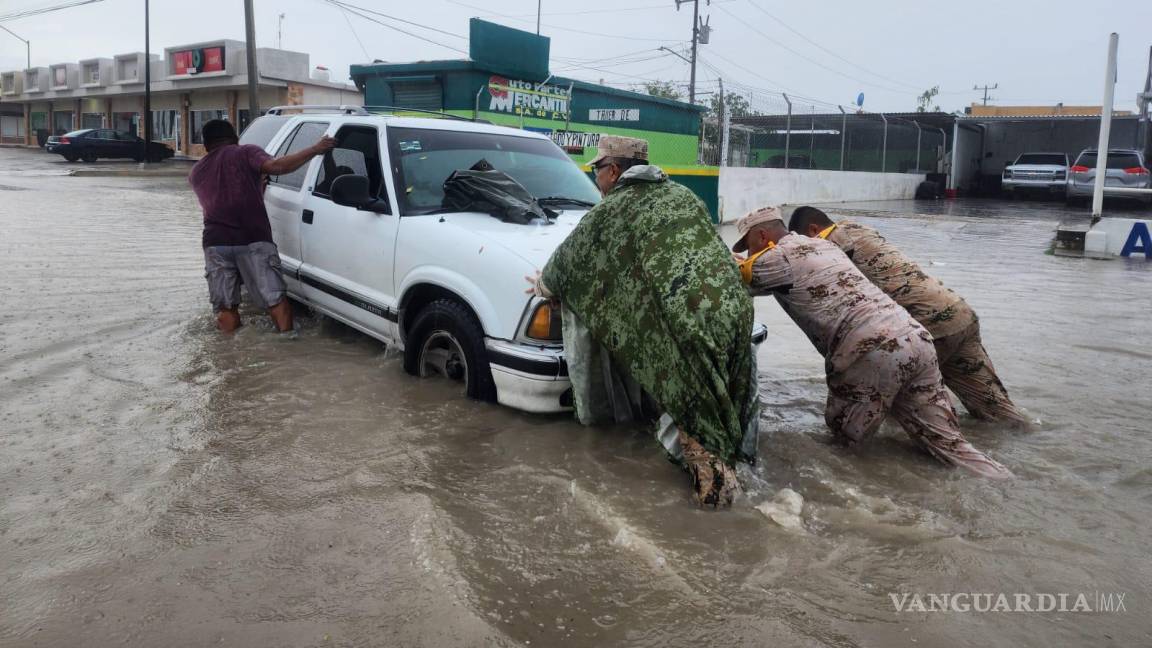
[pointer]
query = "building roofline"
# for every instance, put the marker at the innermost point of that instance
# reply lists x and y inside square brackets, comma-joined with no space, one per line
[452,65]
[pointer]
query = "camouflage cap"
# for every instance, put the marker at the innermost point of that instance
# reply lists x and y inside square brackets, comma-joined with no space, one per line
[616,146]
[758,217]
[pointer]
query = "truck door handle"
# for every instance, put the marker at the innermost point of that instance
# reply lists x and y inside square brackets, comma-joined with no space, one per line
[308,216]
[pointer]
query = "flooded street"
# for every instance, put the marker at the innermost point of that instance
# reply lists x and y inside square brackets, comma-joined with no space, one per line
[161,485]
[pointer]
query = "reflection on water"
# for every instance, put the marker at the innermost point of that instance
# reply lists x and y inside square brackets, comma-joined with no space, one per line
[164,485]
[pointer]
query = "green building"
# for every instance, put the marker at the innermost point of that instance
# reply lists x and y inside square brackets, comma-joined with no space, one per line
[506,81]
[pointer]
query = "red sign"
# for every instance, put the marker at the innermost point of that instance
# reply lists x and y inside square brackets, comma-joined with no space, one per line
[208,59]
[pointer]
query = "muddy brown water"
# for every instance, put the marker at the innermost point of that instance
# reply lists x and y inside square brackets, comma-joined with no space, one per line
[162,485]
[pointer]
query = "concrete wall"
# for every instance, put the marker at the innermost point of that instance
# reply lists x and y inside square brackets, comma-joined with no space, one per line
[743,189]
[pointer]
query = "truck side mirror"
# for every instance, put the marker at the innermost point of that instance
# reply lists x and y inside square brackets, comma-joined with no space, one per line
[353,191]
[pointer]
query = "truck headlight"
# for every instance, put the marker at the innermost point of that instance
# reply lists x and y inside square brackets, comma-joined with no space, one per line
[544,324]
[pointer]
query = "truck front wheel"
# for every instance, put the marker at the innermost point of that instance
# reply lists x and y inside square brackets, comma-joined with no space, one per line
[446,341]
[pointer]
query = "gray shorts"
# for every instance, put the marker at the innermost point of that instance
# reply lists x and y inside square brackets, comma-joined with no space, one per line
[256,265]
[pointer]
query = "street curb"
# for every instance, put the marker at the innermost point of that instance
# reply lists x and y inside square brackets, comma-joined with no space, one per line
[131,173]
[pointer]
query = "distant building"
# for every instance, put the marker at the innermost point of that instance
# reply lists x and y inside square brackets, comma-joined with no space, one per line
[979,110]
[190,85]
[506,80]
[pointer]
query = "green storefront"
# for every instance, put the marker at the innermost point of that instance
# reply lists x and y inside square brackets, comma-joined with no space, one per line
[506,81]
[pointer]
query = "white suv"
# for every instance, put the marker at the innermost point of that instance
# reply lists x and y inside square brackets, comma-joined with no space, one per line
[364,238]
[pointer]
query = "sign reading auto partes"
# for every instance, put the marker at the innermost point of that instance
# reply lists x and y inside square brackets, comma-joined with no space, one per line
[527,98]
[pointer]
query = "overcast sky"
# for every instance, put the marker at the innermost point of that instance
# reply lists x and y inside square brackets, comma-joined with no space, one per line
[1039,52]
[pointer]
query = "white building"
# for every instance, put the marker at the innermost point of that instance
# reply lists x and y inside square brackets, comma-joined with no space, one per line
[190,85]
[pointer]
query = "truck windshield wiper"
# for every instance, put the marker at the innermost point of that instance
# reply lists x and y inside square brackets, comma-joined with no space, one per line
[557,200]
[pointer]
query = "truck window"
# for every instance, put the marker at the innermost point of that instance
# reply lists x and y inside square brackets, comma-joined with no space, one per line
[1041,158]
[422,159]
[306,135]
[261,131]
[357,152]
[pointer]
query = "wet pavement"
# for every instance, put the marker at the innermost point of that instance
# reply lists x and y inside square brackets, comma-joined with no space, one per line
[162,485]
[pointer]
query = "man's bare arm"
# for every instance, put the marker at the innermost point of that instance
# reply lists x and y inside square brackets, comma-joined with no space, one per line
[290,163]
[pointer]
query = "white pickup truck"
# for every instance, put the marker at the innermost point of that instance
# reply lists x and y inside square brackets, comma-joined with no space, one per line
[364,239]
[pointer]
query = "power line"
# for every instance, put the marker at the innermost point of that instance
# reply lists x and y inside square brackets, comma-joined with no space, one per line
[401,20]
[393,27]
[568,29]
[43,10]
[344,12]
[810,59]
[828,51]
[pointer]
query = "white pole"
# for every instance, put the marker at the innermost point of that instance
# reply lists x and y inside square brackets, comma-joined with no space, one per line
[1105,126]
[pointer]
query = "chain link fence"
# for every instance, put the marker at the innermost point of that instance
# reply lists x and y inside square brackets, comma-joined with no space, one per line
[787,134]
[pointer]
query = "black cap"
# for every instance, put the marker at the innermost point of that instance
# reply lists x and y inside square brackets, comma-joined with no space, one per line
[217,129]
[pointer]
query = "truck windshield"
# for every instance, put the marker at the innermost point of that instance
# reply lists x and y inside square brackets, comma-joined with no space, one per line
[1041,158]
[422,159]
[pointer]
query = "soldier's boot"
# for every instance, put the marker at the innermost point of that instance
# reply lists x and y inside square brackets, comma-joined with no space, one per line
[714,482]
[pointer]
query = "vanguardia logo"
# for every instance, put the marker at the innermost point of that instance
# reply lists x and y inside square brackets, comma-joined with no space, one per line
[1104,602]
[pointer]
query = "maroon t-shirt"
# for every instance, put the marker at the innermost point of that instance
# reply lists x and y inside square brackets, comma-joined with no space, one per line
[227,182]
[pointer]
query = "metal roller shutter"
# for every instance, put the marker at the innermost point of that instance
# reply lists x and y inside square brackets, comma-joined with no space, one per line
[424,95]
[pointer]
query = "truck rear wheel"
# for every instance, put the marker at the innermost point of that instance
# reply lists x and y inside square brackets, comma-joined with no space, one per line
[446,341]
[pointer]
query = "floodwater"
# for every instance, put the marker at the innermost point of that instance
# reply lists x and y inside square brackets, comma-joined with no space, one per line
[161,485]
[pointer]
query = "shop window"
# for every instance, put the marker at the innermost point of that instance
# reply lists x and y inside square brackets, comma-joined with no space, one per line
[62,122]
[165,124]
[201,117]
[92,120]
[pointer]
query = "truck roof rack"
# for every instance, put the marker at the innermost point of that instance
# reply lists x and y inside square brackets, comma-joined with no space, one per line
[345,109]
[366,110]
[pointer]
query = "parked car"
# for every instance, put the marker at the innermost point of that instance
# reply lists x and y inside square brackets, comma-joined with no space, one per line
[365,239]
[1036,172]
[1126,169]
[90,144]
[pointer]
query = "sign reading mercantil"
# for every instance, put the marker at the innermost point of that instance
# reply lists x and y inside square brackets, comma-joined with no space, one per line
[614,114]
[527,98]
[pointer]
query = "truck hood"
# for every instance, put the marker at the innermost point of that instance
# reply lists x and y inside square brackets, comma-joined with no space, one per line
[534,243]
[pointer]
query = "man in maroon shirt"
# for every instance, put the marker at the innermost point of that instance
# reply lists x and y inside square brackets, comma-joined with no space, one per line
[237,239]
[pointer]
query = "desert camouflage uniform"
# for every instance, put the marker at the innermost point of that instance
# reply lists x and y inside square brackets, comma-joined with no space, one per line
[651,280]
[878,359]
[953,324]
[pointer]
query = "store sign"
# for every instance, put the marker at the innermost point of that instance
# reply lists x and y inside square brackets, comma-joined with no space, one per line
[614,114]
[195,61]
[573,139]
[528,99]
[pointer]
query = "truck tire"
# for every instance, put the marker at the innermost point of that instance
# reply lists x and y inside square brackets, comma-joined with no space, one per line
[447,340]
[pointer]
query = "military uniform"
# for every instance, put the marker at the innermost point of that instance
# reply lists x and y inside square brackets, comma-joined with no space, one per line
[878,359]
[649,278]
[955,329]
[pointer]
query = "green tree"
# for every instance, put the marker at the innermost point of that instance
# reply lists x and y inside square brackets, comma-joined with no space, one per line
[925,100]
[736,105]
[663,89]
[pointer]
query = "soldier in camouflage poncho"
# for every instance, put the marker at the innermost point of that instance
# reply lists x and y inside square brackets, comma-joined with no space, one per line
[647,275]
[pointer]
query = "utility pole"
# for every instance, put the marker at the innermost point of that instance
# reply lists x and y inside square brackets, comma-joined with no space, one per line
[986,88]
[280,33]
[695,41]
[147,87]
[539,3]
[27,45]
[722,131]
[1145,143]
[250,35]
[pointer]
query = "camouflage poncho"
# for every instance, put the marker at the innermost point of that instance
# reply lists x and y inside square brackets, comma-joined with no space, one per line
[654,284]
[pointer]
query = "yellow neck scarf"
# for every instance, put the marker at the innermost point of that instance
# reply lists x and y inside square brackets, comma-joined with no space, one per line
[746,265]
[826,232]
